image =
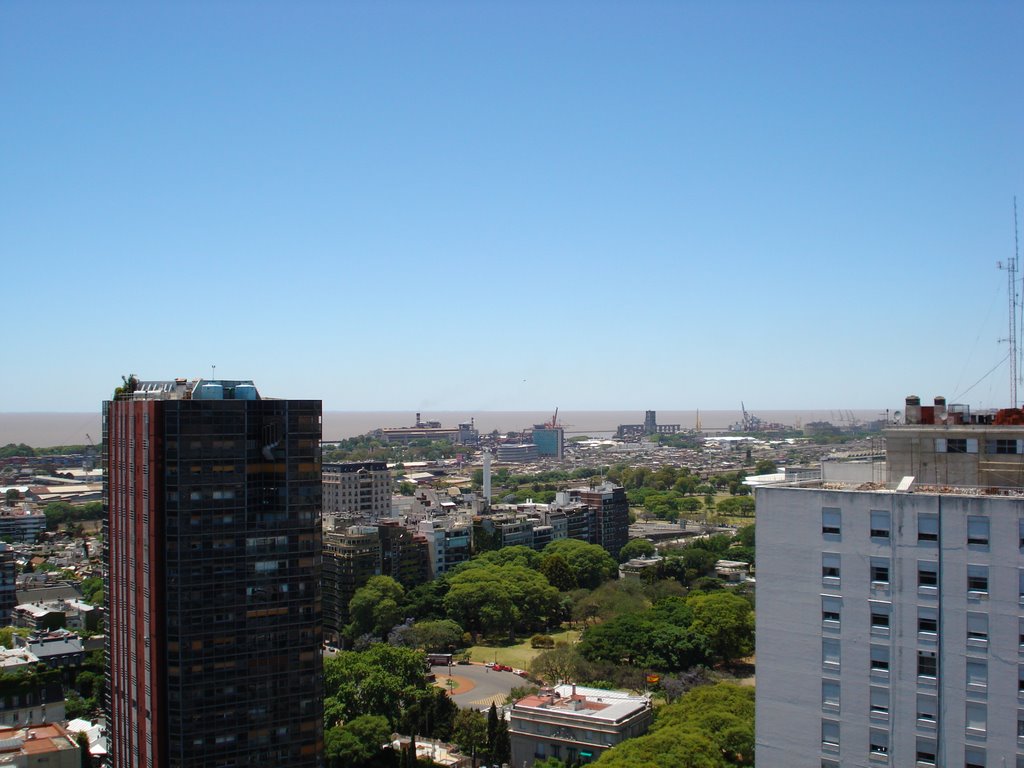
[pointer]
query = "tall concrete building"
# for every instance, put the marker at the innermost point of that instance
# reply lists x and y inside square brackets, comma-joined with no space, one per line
[353,555]
[890,616]
[8,584]
[357,491]
[212,559]
[610,521]
[550,440]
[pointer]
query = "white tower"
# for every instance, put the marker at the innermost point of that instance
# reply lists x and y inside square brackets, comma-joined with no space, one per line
[487,476]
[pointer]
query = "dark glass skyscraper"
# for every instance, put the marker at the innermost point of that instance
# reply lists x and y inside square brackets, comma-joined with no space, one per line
[213,548]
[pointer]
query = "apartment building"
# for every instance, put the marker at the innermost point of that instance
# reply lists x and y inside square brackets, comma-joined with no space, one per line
[449,542]
[610,521]
[212,570]
[890,627]
[354,555]
[357,492]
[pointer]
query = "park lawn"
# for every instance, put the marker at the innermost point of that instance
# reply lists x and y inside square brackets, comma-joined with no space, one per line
[517,656]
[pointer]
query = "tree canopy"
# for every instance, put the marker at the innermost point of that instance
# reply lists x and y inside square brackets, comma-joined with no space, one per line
[590,564]
[675,633]
[487,598]
[636,548]
[376,607]
[712,726]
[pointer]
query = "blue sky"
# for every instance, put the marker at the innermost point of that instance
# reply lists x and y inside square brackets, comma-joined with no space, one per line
[482,205]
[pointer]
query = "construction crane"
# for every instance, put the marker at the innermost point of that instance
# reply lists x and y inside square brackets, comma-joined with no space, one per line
[554,420]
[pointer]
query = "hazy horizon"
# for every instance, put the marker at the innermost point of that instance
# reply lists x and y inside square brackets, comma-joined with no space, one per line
[44,429]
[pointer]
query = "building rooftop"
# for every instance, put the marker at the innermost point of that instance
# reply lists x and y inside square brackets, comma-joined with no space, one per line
[590,703]
[191,389]
[906,485]
[34,740]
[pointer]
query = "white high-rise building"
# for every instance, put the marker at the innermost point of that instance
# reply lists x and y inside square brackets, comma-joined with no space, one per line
[889,628]
[890,616]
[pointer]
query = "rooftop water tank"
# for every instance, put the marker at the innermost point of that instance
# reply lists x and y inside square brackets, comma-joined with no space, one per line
[245,392]
[211,391]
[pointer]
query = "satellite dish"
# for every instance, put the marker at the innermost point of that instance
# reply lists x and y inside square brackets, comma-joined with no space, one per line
[897,417]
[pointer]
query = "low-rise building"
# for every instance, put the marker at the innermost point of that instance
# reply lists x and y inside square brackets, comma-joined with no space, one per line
[732,571]
[39,746]
[59,648]
[54,614]
[631,569]
[574,724]
[516,452]
[12,659]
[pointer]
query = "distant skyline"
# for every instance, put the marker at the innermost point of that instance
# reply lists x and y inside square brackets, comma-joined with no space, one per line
[511,206]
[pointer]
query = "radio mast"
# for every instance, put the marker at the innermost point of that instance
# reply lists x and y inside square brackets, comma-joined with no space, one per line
[1011,273]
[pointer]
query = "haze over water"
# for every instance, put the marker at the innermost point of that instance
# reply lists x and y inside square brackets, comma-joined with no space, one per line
[46,429]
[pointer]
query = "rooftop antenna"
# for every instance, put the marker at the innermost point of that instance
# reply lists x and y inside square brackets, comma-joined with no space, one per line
[213,376]
[1011,271]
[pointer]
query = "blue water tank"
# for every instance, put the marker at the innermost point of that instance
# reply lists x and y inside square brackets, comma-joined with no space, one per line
[245,392]
[211,391]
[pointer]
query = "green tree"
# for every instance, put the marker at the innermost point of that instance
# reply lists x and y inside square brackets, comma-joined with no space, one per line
[501,746]
[690,504]
[470,732]
[492,729]
[16,449]
[382,680]
[431,711]
[738,506]
[517,555]
[558,573]
[723,625]
[439,636]
[611,599]
[376,607]
[7,635]
[636,548]
[689,563]
[745,536]
[488,598]
[590,563]
[709,727]
[358,742]
[92,590]
[82,740]
[765,467]
[563,663]
[426,601]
